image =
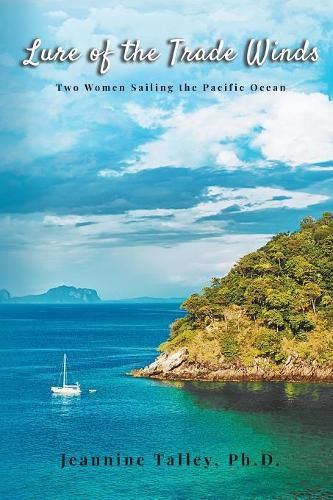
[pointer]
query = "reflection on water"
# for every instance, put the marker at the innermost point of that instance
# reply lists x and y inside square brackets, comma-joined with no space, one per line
[63,405]
[264,396]
[307,402]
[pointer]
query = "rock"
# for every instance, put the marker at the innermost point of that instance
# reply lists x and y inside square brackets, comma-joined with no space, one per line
[62,295]
[289,360]
[177,366]
[165,363]
[69,294]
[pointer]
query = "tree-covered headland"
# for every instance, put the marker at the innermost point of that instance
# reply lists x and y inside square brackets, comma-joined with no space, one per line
[274,307]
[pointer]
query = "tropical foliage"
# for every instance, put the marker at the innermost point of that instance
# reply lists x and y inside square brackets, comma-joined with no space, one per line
[275,303]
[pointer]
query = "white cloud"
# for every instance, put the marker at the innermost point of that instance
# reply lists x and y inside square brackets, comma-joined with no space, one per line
[263,198]
[120,227]
[319,168]
[108,172]
[219,199]
[45,120]
[297,129]
[193,139]
[227,158]
[57,15]
[68,220]
[292,127]
[146,117]
[52,249]
[207,135]
[169,273]
[208,18]
[200,23]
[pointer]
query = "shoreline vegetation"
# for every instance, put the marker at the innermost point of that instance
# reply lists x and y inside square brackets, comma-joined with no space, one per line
[269,318]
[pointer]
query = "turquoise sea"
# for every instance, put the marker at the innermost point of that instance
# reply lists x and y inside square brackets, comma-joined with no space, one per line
[139,418]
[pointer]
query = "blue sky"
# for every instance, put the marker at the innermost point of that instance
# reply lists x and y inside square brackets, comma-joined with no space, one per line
[153,194]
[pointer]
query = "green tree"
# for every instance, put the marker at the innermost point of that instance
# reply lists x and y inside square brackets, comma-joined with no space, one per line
[273,319]
[313,292]
[275,300]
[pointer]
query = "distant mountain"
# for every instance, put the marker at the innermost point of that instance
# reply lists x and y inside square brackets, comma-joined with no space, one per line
[71,295]
[4,295]
[61,295]
[149,300]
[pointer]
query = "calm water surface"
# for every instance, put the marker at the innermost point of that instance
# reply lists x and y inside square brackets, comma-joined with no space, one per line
[138,417]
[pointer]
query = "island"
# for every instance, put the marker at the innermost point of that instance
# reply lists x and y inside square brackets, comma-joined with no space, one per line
[59,295]
[269,318]
[64,294]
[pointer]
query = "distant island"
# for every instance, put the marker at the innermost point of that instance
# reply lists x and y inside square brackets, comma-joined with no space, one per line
[71,295]
[60,295]
[270,318]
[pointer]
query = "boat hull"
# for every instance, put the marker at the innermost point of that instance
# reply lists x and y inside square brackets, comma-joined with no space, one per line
[66,391]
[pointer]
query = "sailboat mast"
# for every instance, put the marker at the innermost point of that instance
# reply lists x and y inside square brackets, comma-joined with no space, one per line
[65,375]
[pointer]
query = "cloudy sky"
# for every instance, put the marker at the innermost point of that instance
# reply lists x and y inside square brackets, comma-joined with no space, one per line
[153,194]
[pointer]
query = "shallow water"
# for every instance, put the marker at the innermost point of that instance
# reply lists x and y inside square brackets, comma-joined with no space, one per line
[139,418]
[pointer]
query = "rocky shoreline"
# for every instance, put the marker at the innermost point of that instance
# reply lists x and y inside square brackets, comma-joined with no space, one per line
[177,366]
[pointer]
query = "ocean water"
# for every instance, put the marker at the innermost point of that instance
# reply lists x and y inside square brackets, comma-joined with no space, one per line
[140,418]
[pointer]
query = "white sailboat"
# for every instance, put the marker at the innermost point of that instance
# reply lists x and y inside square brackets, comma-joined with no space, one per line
[66,389]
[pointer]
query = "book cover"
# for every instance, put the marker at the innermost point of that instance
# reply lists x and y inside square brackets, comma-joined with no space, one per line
[166,250]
